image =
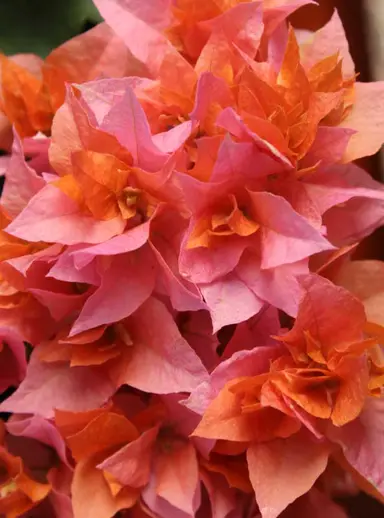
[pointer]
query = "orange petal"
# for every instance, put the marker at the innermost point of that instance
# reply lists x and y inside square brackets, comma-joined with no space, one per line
[105,431]
[92,496]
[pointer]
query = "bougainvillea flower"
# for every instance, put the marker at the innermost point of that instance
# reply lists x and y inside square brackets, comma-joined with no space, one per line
[19,173]
[93,436]
[159,460]
[26,289]
[103,194]
[23,102]
[364,115]
[32,89]
[176,173]
[359,441]
[36,469]
[92,54]
[154,359]
[327,368]
[151,252]
[189,25]
[334,196]
[234,215]
[20,309]
[54,385]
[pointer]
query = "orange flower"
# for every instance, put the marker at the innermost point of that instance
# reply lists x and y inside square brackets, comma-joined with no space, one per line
[32,90]
[93,347]
[19,492]
[227,219]
[328,372]
[106,187]
[24,99]
[286,109]
[93,436]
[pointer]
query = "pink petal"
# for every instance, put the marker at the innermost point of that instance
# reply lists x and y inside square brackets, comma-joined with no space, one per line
[242,363]
[367,119]
[40,429]
[362,440]
[101,94]
[287,237]
[230,301]
[177,476]
[156,13]
[36,149]
[66,269]
[131,465]
[146,43]
[128,123]
[277,11]
[60,305]
[56,385]
[231,121]
[284,469]
[127,283]
[329,146]
[210,89]
[242,25]
[329,39]
[205,265]
[339,183]
[159,507]
[277,44]
[258,330]
[199,195]
[161,362]
[171,140]
[222,499]
[271,285]
[22,182]
[184,296]
[238,162]
[131,240]
[356,219]
[51,216]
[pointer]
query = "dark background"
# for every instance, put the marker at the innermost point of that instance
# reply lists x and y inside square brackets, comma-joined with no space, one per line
[40,25]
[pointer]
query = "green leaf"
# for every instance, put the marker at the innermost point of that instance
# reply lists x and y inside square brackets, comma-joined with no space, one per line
[38,26]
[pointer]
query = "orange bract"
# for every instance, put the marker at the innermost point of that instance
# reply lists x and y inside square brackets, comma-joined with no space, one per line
[185,33]
[93,347]
[106,187]
[24,99]
[227,219]
[18,491]
[287,109]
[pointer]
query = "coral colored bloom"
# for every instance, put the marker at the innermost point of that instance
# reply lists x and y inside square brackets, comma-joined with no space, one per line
[155,359]
[322,372]
[35,469]
[148,453]
[93,436]
[32,90]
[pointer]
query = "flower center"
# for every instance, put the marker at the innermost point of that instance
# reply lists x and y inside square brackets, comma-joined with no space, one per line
[226,219]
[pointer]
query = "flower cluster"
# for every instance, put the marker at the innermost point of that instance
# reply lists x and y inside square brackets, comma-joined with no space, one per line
[180,203]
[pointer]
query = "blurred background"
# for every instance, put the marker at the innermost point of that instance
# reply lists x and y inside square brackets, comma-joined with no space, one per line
[38,26]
